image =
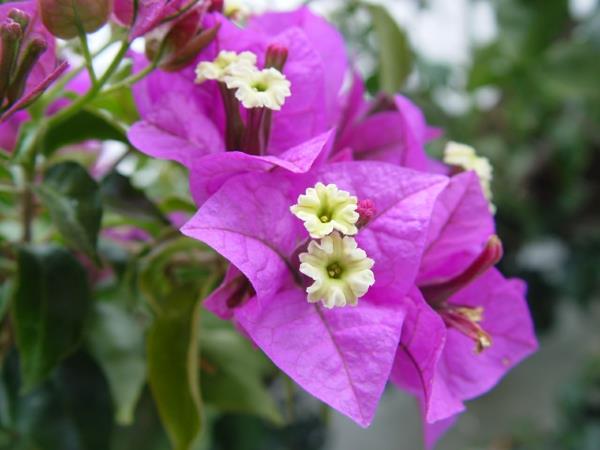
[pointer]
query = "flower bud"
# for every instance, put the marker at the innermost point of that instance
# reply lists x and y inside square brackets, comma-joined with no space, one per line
[20,17]
[10,36]
[64,19]
[277,55]
[437,294]
[216,6]
[181,43]
[35,48]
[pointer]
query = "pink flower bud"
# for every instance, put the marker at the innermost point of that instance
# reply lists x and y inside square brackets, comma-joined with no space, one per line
[20,17]
[277,55]
[64,19]
[437,294]
[35,48]
[366,211]
[182,42]
[216,6]
[10,36]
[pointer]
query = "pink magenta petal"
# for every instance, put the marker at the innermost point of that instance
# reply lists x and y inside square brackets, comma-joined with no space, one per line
[341,356]
[208,174]
[460,227]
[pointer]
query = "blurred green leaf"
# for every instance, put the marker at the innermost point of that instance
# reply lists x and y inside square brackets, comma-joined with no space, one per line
[173,366]
[121,196]
[395,55]
[52,300]
[85,395]
[74,201]
[227,387]
[83,126]
[116,340]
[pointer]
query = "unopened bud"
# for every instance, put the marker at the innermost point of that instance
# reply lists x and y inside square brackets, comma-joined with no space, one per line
[216,6]
[65,19]
[10,35]
[186,55]
[437,294]
[20,17]
[35,48]
[180,43]
[366,211]
[277,55]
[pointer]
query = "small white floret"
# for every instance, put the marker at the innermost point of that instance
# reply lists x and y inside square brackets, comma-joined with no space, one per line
[465,157]
[341,271]
[324,209]
[267,88]
[224,65]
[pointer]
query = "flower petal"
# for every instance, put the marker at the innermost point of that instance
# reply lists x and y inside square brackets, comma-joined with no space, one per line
[342,356]
[460,228]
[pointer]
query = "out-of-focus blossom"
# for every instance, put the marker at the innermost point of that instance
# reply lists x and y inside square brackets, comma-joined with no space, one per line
[464,157]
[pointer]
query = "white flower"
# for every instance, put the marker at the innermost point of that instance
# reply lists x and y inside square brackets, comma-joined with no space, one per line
[465,157]
[327,208]
[267,88]
[341,271]
[224,64]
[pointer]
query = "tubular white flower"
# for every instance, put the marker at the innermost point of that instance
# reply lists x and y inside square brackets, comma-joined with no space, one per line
[327,208]
[267,88]
[224,64]
[465,157]
[341,271]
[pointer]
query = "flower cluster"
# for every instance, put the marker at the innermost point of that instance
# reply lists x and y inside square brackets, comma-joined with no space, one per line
[341,271]
[266,123]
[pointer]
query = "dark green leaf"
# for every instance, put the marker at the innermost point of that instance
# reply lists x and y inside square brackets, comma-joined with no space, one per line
[121,196]
[74,201]
[172,352]
[81,127]
[395,55]
[52,300]
[116,339]
[227,386]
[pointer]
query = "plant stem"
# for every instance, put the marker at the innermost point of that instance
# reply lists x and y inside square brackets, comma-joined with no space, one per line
[131,80]
[87,56]
[78,104]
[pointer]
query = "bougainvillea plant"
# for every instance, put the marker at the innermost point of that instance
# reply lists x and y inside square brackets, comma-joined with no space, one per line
[302,232]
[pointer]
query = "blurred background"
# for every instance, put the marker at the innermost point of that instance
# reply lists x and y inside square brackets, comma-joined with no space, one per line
[517,79]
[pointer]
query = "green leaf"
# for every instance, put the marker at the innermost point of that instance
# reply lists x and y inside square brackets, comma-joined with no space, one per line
[395,55]
[83,126]
[52,300]
[121,196]
[233,373]
[74,201]
[116,340]
[172,352]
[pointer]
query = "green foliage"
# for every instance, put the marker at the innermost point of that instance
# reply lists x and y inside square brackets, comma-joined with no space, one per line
[228,388]
[115,337]
[173,366]
[86,124]
[121,196]
[51,302]
[395,54]
[73,200]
